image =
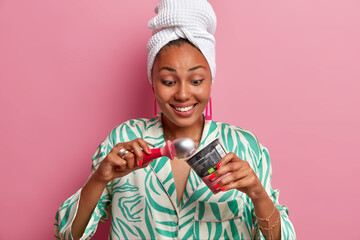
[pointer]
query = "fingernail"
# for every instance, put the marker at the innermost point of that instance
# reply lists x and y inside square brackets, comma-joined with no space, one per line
[140,162]
[223,189]
[216,186]
[212,176]
[149,150]
[219,165]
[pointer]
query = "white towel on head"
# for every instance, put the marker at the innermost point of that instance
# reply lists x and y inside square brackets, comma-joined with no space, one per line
[194,20]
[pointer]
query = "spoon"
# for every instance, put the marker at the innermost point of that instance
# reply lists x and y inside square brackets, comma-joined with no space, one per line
[180,148]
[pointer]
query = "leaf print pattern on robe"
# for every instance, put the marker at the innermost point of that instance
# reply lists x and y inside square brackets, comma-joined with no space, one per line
[144,204]
[128,205]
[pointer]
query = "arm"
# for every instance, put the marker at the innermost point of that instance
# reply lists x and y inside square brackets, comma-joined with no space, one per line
[265,175]
[244,179]
[89,197]
[258,189]
[79,215]
[113,166]
[67,212]
[268,216]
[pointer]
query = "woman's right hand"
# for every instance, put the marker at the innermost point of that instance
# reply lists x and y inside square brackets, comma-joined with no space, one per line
[113,166]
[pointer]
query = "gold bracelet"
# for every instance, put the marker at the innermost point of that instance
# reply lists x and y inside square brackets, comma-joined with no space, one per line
[268,228]
[272,227]
[268,218]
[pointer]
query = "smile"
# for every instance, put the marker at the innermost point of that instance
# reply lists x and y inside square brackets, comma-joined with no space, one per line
[183,109]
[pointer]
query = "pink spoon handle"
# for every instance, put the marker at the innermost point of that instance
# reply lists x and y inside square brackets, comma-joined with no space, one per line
[155,153]
[168,151]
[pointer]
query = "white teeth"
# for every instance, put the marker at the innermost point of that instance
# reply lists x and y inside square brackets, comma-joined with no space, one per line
[184,109]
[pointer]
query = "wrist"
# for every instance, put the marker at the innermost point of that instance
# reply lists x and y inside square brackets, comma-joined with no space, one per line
[98,179]
[260,196]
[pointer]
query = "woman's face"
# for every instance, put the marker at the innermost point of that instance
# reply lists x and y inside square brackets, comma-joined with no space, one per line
[182,82]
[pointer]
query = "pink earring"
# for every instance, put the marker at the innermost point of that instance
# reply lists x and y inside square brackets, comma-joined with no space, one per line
[208,111]
[155,108]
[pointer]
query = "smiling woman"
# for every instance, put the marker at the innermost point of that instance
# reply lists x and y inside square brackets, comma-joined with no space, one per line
[182,82]
[167,199]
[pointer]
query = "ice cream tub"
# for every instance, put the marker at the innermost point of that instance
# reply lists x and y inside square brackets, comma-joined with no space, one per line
[204,162]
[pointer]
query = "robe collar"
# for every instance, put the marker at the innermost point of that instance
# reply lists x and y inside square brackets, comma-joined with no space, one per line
[154,136]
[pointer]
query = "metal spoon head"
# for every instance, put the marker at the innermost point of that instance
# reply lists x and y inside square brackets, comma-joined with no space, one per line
[184,147]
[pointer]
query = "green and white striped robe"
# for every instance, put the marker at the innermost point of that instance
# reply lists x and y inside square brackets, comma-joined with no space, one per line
[143,204]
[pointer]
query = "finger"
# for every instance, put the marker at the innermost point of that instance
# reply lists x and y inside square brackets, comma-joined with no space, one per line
[230,167]
[119,163]
[144,145]
[146,163]
[129,158]
[222,164]
[230,157]
[235,164]
[241,185]
[137,152]
[113,159]
[233,177]
[117,148]
[119,151]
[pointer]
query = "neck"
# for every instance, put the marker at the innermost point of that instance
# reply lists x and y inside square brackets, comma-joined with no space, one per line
[194,132]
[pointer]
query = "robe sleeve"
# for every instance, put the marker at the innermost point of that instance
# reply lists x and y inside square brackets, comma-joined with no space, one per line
[66,213]
[265,175]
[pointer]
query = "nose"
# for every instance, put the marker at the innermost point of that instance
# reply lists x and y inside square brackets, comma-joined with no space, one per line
[182,92]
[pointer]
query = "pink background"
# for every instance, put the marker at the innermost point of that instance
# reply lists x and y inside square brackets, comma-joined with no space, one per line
[287,70]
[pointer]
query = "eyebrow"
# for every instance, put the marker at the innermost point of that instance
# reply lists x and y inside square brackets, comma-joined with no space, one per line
[173,70]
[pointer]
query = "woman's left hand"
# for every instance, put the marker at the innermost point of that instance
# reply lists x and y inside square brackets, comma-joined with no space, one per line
[242,177]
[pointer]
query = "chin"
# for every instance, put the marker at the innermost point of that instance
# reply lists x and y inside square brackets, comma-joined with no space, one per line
[184,122]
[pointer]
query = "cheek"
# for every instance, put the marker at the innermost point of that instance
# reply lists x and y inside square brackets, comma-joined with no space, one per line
[161,94]
[203,94]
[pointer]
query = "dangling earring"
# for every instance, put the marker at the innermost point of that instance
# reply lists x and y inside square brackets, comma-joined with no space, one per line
[155,108]
[208,111]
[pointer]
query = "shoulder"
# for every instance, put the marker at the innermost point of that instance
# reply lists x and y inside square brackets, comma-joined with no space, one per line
[124,132]
[131,129]
[137,122]
[239,140]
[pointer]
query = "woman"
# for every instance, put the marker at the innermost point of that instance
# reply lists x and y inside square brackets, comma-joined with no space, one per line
[166,199]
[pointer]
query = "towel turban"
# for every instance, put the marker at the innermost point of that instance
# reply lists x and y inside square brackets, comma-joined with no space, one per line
[194,20]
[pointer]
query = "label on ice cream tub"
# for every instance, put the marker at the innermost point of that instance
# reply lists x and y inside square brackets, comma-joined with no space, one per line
[204,161]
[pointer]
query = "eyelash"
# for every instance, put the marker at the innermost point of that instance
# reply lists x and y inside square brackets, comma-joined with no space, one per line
[167,83]
[200,81]
[171,83]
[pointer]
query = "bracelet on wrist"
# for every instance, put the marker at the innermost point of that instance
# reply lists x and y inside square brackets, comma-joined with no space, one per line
[267,220]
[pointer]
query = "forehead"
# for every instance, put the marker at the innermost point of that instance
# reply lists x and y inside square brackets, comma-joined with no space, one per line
[184,55]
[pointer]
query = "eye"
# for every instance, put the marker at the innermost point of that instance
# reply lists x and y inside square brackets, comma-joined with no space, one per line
[197,82]
[168,83]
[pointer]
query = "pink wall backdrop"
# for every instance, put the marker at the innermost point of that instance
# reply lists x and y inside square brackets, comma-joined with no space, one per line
[287,70]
